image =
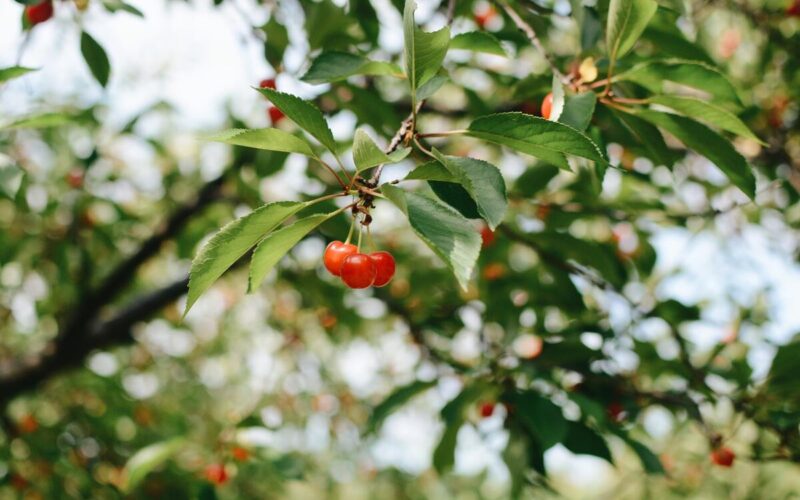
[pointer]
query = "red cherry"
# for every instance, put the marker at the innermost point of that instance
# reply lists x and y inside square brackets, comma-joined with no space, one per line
[240,454]
[39,12]
[216,474]
[794,9]
[547,106]
[486,409]
[75,178]
[723,456]
[384,267]
[616,411]
[275,115]
[335,254]
[358,271]
[267,83]
[483,17]
[488,236]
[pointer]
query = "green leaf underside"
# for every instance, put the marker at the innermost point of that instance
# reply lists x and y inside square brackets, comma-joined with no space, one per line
[148,459]
[305,114]
[395,400]
[269,139]
[430,87]
[272,248]
[697,75]
[454,415]
[96,58]
[424,52]
[478,41]
[483,182]
[627,19]
[232,242]
[367,154]
[706,112]
[547,140]
[578,110]
[451,236]
[335,66]
[708,143]
[13,72]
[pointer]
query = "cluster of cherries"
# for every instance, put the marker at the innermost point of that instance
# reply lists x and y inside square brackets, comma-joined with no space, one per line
[39,12]
[275,114]
[358,270]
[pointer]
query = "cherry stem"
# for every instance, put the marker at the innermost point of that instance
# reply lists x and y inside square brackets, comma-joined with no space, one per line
[442,134]
[360,234]
[370,241]
[350,233]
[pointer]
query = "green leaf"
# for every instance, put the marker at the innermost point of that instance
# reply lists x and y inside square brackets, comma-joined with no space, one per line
[454,415]
[277,41]
[431,171]
[650,462]
[627,19]
[535,179]
[431,87]
[706,112]
[96,58]
[478,41]
[304,114]
[578,110]
[483,182]
[707,143]
[272,248]
[543,419]
[334,66]
[367,154]
[424,52]
[584,441]
[232,242]
[120,6]
[13,72]
[544,139]
[395,400]
[653,75]
[269,139]
[649,136]
[782,379]
[41,121]
[445,231]
[148,459]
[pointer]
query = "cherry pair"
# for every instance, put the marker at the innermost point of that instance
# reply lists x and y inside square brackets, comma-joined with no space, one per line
[275,114]
[356,269]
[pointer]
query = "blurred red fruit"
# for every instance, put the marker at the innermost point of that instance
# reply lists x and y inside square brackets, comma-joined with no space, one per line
[723,456]
[275,115]
[488,236]
[268,83]
[39,13]
[486,410]
[216,474]
[547,106]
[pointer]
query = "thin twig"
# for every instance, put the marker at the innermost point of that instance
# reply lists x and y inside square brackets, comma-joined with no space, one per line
[531,34]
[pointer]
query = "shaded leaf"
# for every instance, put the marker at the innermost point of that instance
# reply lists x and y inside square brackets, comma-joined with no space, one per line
[541,417]
[96,58]
[584,441]
[445,231]
[578,110]
[334,66]
[483,182]
[454,415]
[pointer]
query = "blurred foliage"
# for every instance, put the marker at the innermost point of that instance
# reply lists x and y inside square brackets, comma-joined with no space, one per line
[304,389]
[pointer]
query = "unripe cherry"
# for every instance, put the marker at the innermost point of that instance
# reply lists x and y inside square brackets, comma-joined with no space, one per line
[547,106]
[275,115]
[39,13]
[384,268]
[358,271]
[335,254]
[723,456]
